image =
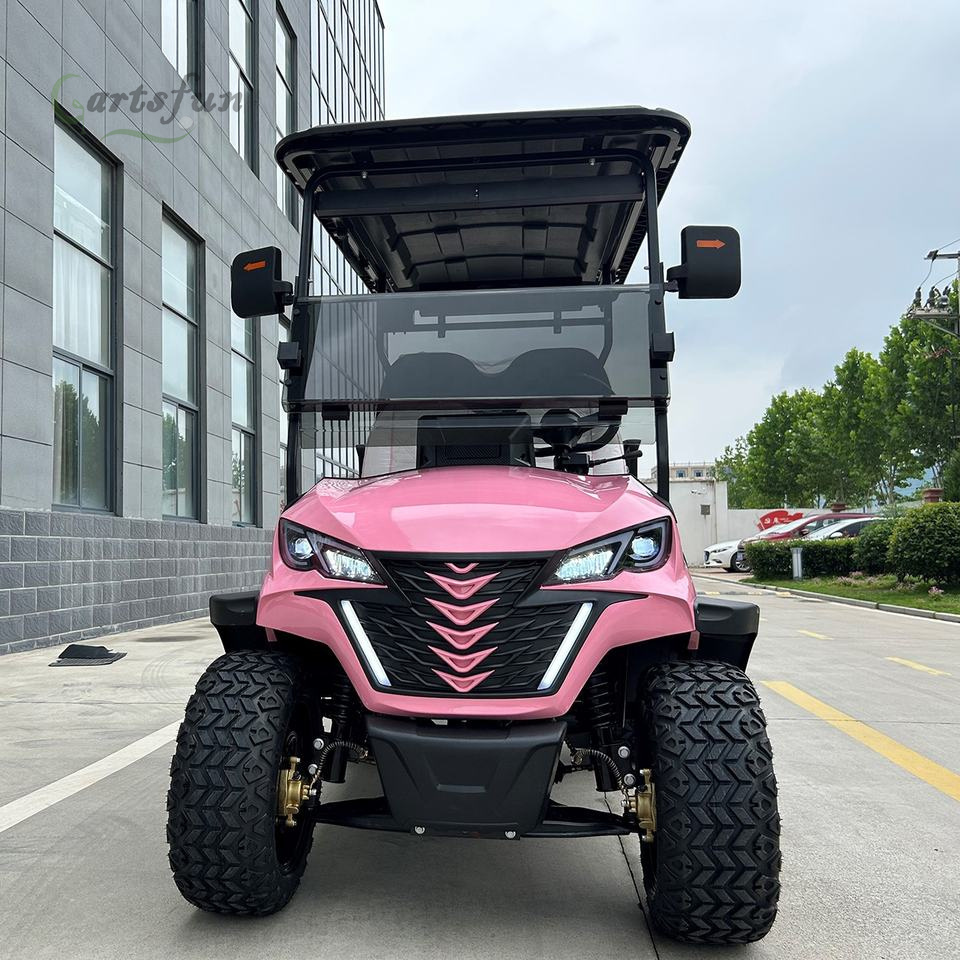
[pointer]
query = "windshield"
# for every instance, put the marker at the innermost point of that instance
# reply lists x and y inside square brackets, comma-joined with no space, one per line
[373,443]
[403,381]
[527,345]
[784,528]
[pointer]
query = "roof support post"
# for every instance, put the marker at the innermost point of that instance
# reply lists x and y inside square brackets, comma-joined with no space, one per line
[658,325]
[300,334]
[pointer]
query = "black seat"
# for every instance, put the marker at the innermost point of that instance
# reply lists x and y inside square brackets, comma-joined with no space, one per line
[546,372]
[430,375]
[555,372]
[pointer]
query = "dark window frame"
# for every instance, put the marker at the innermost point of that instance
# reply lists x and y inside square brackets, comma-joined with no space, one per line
[251,433]
[252,109]
[288,203]
[72,127]
[195,46]
[197,408]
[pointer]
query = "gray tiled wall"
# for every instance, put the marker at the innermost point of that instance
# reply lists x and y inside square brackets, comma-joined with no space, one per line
[64,575]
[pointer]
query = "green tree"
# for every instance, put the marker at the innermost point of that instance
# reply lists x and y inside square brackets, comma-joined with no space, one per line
[951,477]
[847,432]
[932,401]
[780,448]
[734,467]
[888,404]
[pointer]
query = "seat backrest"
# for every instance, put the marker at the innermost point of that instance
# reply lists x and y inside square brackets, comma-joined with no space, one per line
[537,373]
[432,375]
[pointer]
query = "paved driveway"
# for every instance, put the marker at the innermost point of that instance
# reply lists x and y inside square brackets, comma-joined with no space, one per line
[867,753]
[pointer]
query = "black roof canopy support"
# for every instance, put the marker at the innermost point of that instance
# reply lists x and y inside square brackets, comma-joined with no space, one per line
[545,198]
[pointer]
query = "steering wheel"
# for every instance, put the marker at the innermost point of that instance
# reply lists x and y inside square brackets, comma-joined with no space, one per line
[562,430]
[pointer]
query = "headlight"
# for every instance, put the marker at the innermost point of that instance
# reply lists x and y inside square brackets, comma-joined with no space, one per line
[589,564]
[642,549]
[304,549]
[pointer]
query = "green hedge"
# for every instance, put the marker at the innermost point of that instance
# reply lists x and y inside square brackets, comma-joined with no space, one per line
[926,543]
[771,560]
[872,546]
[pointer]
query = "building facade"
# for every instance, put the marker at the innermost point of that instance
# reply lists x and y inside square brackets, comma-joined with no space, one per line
[688,471]
[140,420]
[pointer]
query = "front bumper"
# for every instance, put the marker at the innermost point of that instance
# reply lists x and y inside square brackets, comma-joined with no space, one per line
[489,779]
[720,558]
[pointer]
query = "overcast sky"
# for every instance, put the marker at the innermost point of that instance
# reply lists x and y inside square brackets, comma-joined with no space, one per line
[828,133]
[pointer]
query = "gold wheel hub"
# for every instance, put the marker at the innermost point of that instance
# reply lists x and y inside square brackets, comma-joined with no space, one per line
[292,791]
[642,803]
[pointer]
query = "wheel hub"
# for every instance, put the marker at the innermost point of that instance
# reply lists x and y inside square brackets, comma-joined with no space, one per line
[292,791]
[641,803]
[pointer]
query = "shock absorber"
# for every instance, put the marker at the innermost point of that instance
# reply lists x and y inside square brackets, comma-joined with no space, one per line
[342,703]
[601,714]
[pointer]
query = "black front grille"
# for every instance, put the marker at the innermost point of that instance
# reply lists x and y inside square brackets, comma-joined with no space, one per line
[529,626]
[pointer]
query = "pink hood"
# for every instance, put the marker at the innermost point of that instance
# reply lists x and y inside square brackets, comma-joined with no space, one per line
[475,510]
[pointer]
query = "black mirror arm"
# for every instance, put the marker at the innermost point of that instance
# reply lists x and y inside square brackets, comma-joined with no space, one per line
[629,455]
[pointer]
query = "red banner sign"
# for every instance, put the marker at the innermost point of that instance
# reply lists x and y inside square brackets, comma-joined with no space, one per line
[776,517]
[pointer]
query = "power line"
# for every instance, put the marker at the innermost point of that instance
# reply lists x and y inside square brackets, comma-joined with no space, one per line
[933,261]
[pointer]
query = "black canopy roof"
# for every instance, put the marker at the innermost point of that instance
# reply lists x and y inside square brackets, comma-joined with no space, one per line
[545,198]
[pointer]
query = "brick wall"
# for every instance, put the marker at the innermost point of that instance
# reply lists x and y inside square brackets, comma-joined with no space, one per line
[67,576]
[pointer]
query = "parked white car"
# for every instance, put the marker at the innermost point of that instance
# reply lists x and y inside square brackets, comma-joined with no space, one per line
[728,555]
[851,527]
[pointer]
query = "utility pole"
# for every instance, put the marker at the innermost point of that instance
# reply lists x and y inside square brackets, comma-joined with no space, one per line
[932,311]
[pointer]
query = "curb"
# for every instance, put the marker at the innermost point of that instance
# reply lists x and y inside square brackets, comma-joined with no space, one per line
[868,604]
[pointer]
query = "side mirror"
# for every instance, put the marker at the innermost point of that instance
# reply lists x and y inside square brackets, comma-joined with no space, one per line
[710,264]
[256,287]
[836,536]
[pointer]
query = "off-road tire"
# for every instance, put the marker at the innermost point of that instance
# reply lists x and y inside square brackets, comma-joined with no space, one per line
[712,872]
[222,805]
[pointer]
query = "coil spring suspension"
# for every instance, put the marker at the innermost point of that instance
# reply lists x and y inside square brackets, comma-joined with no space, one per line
[601,714]
[599,700]
[342,703]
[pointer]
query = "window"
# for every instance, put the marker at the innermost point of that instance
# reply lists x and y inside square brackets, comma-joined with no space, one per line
[286,105]
[180,38]
[244,393]
[181,391]
[243,110]
[681,474]
[83,297]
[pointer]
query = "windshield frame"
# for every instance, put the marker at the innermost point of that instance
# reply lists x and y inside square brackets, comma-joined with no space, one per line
[353,348]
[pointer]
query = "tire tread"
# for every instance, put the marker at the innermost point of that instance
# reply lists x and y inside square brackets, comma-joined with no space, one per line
[221,803]
[718,828]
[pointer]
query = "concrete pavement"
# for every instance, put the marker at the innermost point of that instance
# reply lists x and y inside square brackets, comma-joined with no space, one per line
[871,849]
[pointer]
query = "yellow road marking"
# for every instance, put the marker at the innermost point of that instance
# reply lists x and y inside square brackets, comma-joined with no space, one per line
[919,666]
[712,593]
[942,779]
[816,636]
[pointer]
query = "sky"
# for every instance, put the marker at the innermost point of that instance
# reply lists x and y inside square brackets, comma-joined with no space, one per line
[827,133]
